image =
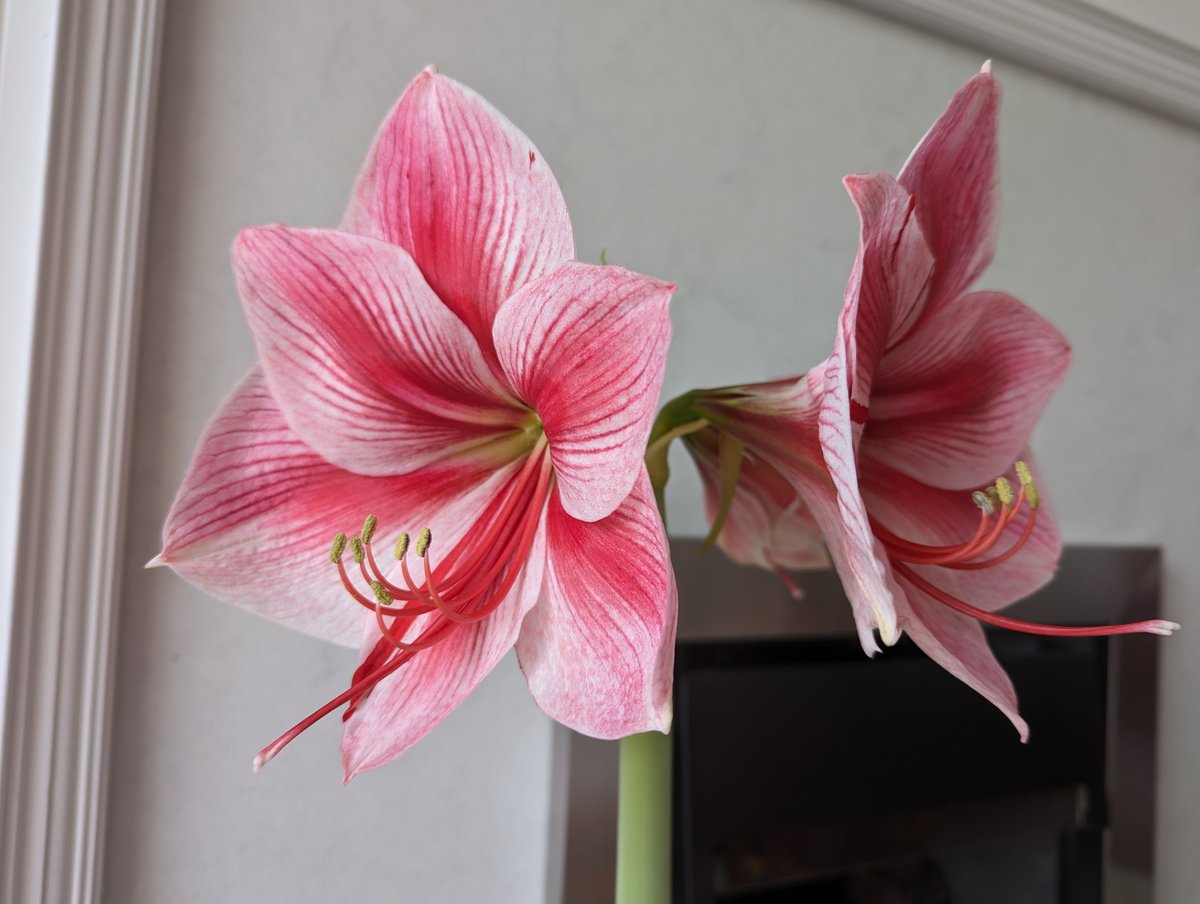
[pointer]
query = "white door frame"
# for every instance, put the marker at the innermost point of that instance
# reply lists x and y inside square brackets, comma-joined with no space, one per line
[77,95]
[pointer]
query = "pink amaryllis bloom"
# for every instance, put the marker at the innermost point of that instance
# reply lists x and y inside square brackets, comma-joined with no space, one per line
[908,444]
[443,365]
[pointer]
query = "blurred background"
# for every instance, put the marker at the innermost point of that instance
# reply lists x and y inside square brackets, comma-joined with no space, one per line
[702,142]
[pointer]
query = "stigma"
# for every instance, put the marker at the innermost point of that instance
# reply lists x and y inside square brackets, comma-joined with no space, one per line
[419,604]
[1000,509]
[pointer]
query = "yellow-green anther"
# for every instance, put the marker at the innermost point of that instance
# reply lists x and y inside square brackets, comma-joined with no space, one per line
[1004,490]
[1032,496]
[984,502]
[401,546]
[424,538]
[381,593]
[368,530]
[1023,475]
[357,549]
[339,546]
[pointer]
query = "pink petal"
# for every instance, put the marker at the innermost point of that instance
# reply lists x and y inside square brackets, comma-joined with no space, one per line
[888,287]
[586,347]
[407,705]
[936,517]
[598,647]
[460,188]
[957,644]
[371,369]
[952,175]
[767,524]
[255,516]
[954,404]
[784,422]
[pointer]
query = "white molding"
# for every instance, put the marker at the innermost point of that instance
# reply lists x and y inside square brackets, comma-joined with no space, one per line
[1071,40]
[68,553]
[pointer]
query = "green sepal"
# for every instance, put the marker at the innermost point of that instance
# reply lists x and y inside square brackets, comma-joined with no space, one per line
[677,418]
[730,452]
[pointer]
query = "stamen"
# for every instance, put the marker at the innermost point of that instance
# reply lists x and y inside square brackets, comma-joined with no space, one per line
[996,502]
[1032,496]
[339,546]
[1004,491]
[473,579]
[368,528]
[381,594]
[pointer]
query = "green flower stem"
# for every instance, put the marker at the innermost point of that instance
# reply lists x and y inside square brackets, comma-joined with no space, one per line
[644,820]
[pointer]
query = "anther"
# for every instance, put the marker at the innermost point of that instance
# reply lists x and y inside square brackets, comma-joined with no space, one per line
[339,546]
[368,529]
[1004,491]
[423,540]
[984,502]
[1032,496]
[357,549]
[381,593]
[401,546]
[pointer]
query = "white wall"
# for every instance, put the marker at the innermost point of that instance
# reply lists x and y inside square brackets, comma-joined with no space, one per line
[699,141]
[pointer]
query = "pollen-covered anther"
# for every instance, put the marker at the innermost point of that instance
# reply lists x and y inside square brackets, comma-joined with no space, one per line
[368,528]
[358,550]
[381,593]
[1004,491]
[983,502]
[1032,495]
[339,546]
[424,538]
[401,546]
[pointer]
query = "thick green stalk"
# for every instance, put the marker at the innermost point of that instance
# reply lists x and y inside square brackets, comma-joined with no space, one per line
[644,820]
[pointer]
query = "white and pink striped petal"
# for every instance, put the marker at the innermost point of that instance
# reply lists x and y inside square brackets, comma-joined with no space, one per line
[952,174]
[586,348]
[598,647]
[460,188]
[371,369]
[256,513]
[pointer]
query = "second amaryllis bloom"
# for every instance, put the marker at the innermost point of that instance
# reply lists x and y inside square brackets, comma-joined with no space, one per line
[908,445]
[444,366]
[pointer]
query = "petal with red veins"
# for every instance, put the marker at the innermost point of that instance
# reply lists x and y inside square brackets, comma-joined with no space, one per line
[598,647]
[371,369]
[586,347]
[459,187]
[257,511]
[957,643]
[408,704]
[952,175]
[954,404]
[888,287]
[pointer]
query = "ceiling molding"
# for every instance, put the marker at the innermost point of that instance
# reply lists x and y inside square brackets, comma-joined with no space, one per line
[1068,39]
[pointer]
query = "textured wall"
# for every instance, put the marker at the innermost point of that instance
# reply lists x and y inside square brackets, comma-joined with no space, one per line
[699,141]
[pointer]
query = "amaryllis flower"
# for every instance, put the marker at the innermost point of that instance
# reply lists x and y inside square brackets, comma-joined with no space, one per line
[443,366]
[909,444]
